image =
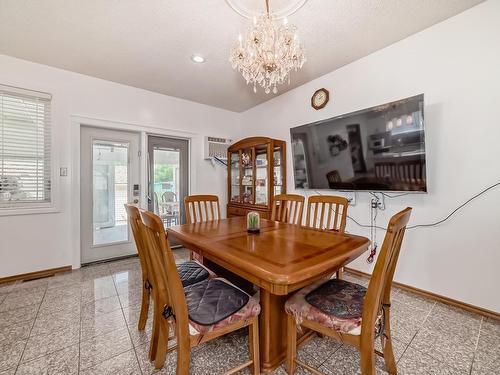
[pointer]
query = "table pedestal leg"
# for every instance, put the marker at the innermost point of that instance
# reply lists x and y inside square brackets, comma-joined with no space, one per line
[272,332]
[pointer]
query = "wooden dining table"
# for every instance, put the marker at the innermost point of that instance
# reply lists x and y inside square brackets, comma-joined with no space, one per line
[281,259]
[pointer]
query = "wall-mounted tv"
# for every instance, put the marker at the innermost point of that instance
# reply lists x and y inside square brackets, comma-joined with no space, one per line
[376,149]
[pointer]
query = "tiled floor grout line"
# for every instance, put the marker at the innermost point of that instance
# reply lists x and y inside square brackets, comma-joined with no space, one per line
[128,328]
[423,322]
[479,334]
[416,333]
[31,329]
[81,306]
[330,356]
[80,330]
[475,347]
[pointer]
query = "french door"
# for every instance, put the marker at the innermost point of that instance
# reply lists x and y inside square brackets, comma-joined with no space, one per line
[168,179]
[109,178]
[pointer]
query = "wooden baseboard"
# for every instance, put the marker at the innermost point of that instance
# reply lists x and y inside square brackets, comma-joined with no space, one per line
[34,275]
[436,297]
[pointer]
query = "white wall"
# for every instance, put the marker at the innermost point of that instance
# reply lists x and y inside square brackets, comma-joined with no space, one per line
[456,64]
[35,242]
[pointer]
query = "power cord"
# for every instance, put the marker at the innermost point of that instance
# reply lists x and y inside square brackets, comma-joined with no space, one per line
[373,217]
[430,224]
[220,160]
[456,209]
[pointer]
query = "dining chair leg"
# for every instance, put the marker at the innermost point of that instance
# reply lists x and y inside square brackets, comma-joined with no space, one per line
[157,317]
[340,273]
[291,350]
[253,338]
[161,352]
[367,353]
[183,357]
[143,317]
[390,362]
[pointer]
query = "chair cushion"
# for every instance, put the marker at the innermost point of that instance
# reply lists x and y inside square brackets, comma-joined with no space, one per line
[339,298]
[335,304]
[192,273]
[216,303]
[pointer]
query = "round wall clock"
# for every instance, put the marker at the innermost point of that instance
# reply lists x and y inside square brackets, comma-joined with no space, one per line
[320,98]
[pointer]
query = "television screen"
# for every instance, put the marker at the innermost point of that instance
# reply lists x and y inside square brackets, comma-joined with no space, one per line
[375,149]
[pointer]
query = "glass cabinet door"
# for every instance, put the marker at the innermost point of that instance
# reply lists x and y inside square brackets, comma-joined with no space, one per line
[235,178]
[278,170]
[247,178]
[261,178]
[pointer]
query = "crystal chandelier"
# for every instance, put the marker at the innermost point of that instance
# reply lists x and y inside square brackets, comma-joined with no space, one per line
[268,53]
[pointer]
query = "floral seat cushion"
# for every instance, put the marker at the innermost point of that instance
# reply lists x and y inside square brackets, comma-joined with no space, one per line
[216,303]
[338,298]
[335,304]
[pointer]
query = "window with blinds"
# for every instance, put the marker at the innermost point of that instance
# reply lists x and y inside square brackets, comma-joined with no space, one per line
[25,148]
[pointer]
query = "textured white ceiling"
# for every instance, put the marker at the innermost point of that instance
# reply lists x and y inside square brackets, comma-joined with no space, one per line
[148,43]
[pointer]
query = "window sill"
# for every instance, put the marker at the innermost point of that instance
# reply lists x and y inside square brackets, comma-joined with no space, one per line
[13,211]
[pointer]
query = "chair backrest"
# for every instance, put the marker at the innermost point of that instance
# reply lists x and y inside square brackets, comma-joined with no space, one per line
[134,218]
[411,171]
[156,204]
[327,212]
[169,196]
[333,176]
[386,170]
[201,208]
[379,288]
[167,282]
[288,208]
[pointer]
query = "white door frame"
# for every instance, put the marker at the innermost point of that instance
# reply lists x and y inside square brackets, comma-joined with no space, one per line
[144,131]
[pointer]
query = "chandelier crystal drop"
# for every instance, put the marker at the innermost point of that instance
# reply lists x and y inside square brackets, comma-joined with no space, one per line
[268,53]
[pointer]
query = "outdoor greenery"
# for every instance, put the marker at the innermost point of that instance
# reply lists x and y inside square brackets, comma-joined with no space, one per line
[164,173]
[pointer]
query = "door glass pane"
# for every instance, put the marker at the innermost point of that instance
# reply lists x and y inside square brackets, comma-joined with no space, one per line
[247,178]
[109,191]
[166,185]
[235,178]
[278,175]
[261,187]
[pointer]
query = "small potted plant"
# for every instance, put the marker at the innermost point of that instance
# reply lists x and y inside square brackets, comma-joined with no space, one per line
[253,222]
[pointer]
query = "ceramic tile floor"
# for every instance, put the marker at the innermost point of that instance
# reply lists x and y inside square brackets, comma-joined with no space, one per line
[84,322]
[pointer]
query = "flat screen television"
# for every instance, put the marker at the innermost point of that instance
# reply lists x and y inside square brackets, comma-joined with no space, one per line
[376,149]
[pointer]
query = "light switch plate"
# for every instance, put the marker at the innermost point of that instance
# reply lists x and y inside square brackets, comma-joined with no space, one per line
[63,171]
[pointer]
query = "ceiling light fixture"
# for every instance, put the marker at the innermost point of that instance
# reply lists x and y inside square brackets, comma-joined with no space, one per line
[198,59]
[268,53]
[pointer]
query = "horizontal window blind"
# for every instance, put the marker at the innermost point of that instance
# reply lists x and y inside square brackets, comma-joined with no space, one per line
[25,148]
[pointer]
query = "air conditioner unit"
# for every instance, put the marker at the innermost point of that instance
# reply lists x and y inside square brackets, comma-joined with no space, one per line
[216,148]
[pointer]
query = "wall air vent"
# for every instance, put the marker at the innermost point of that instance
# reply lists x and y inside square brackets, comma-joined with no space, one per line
[216,148]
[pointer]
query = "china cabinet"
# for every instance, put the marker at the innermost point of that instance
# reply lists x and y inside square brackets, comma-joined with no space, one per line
[256,173]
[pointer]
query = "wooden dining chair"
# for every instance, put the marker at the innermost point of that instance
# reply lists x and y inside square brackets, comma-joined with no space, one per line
[333,177]
[190,272]
[327,212]
[134,218]
[349,312]
[288,208]
[386,171]
[201,208]
[411,172]
[198,313]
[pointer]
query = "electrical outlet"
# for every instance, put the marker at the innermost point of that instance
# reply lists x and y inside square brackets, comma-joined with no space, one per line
[63,171]
[378,201]
[351,198]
